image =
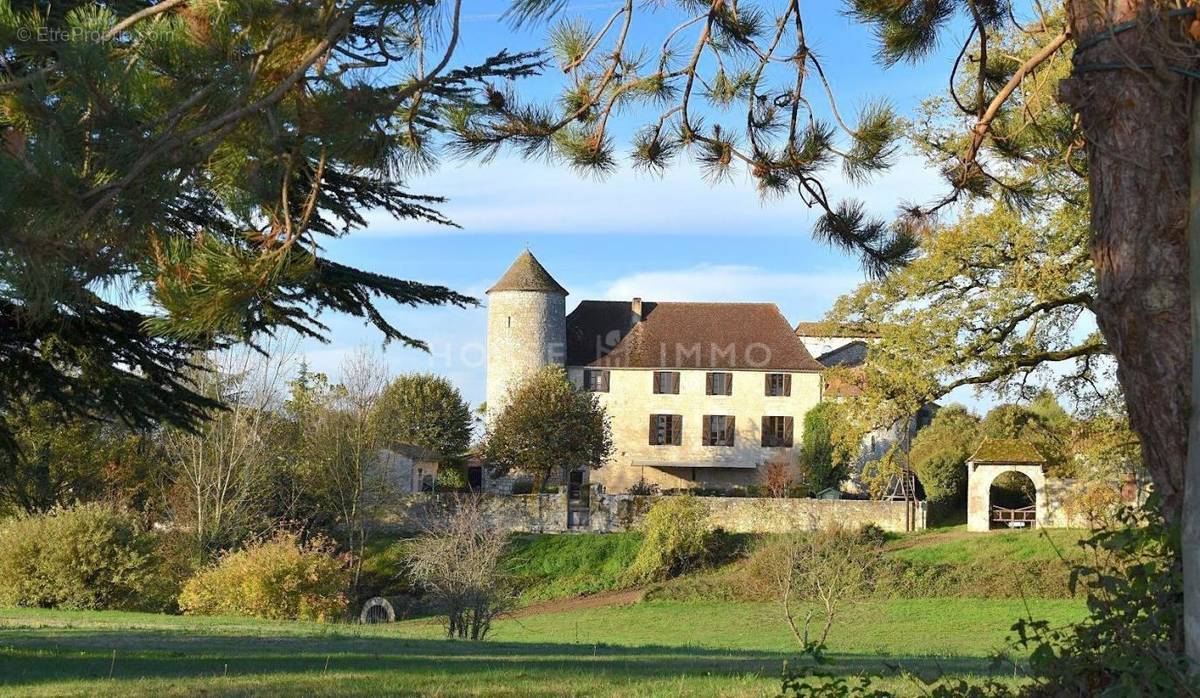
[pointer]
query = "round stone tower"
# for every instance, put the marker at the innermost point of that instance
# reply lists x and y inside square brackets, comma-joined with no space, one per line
[527,327]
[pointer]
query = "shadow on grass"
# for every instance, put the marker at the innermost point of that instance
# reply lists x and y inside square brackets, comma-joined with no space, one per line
[31,657]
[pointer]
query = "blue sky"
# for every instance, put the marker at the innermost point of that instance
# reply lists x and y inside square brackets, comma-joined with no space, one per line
[670,238]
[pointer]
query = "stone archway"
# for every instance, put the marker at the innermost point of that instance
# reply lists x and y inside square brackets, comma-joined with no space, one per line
[979,485]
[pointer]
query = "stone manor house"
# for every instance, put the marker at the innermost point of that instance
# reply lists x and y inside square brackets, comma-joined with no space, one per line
[699,394]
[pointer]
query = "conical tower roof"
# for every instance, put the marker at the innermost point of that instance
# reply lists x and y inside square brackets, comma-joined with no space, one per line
[527,274]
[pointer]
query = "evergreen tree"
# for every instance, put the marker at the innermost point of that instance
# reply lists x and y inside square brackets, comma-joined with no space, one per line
[168,171]
[62,462]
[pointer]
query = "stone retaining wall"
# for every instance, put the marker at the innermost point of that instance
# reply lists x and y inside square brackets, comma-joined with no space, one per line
[623,512]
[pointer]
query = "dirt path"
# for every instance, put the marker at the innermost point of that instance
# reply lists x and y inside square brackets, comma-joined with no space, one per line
[609,598]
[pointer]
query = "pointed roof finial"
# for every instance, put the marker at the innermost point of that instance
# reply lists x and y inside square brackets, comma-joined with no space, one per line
[527,274]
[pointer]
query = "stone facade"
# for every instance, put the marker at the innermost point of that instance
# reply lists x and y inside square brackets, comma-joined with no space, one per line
[979,482]
[622,512]
[526,331]
[631,400]
[407,471]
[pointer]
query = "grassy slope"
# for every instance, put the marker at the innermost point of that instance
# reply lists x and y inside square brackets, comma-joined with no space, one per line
[557,566]
[957,546]
[657,648]
[561,566]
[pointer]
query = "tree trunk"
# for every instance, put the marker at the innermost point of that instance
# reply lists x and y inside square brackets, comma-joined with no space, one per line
[1136,119]
[1191,489]
[1136,122]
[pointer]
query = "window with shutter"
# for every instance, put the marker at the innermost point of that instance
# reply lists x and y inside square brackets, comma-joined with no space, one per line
[666,382]
[595,381]
[718,430]
[665,429]
[719,384]
[777,432]
[779,384]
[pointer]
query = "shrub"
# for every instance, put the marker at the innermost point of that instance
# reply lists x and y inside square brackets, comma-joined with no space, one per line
[92,556]
[643,488]
[280,579]
[675,539]
[778,478]
[1131,643]
[1094,505]
[451,477]
[458,564]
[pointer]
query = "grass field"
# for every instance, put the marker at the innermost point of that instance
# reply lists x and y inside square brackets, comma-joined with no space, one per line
[646,649]
[956,546]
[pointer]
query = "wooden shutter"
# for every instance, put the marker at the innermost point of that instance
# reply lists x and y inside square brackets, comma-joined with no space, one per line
[706,423]
[765,425]
[729,384]
[767,384]
[675,383]
[787,432]
[729,431]
[604,381]
[653,430]
[708,384]
[676,429]
[787,389]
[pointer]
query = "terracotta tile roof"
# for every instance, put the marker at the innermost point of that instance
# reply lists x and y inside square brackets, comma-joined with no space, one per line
[1007,451]
[685,335]
[527,274]
[836,329]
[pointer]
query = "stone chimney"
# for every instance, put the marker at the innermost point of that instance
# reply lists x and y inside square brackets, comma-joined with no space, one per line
[636,308]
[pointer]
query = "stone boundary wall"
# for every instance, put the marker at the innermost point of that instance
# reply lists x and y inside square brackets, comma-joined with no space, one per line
[622,512]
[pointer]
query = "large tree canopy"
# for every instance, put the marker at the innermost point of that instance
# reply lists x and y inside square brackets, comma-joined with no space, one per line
[548,427]
[996,300]
[168,170]
[425,410]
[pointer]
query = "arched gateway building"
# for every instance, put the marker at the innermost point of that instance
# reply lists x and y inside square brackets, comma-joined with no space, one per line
[699,394]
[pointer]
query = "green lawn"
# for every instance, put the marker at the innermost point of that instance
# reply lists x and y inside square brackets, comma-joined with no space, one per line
[649,649]
[956,546]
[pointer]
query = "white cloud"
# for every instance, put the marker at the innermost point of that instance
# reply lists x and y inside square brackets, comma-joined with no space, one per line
[511,195]
[800,295]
